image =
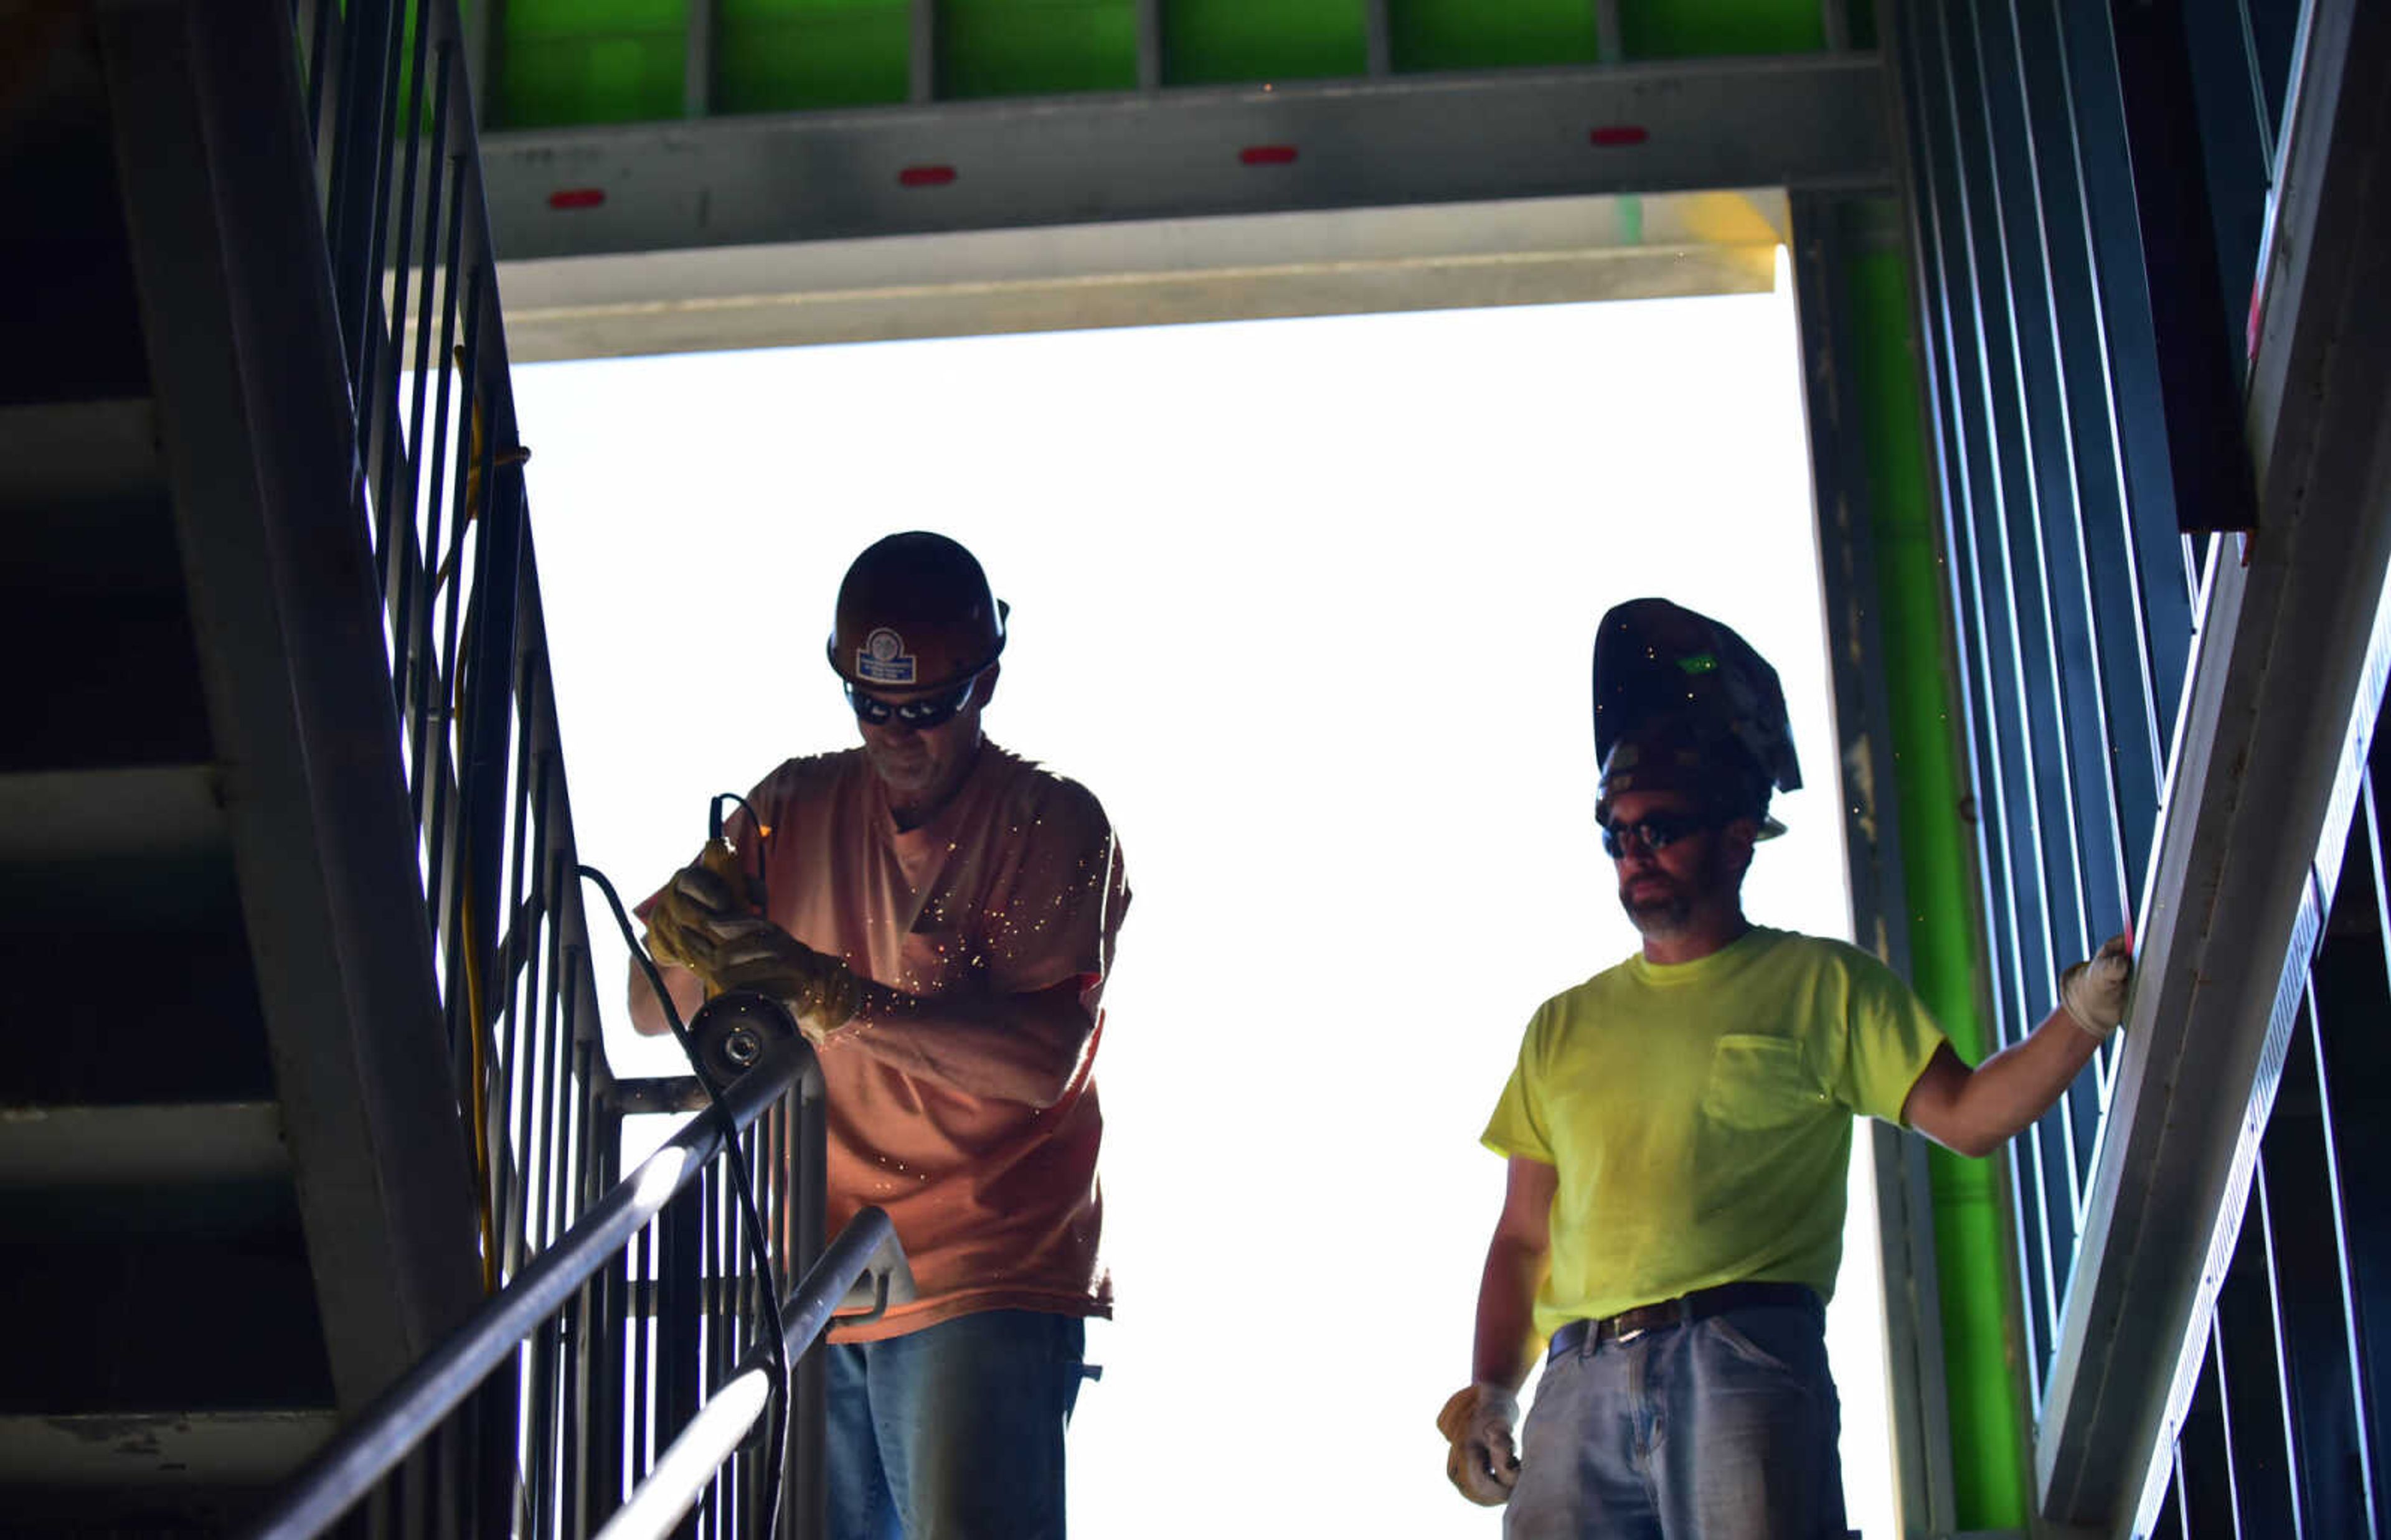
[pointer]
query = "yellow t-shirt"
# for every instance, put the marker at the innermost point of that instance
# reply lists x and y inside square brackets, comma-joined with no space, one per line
[1700,1116]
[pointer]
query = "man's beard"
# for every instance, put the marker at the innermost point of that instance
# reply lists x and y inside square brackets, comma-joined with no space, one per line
[1668,913]
[1661,916]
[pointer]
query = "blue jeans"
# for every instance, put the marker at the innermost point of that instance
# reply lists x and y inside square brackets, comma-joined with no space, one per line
[955,1432]
[1723,1429]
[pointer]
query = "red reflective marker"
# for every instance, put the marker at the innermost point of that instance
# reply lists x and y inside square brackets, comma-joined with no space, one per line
[925,176]
[576,198]
[1616,136]
[1266,155]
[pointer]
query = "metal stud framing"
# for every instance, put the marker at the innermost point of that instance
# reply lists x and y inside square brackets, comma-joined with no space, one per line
[2161,726]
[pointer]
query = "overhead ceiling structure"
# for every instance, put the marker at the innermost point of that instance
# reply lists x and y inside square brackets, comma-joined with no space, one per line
[683,174]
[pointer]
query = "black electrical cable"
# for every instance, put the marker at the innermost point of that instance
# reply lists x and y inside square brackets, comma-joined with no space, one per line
[760,1255]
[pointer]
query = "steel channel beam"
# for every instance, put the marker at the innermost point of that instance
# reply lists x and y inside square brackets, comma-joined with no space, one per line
[1809,122]
[252,407]
[2295,645]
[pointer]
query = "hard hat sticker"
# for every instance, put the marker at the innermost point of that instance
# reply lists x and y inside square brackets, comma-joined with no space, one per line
[883,659]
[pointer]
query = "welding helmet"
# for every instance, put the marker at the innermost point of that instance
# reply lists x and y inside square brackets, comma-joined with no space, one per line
[1682,703]
[915,613]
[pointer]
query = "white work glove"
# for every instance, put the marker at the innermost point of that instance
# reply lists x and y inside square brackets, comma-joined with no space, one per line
[2094,992]
[1483,1462]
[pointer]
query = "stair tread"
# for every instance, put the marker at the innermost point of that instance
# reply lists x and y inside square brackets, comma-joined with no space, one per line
[120,1016]
[179,1145]
[168,809]
[254,1448]
[212,1323]
[75,451]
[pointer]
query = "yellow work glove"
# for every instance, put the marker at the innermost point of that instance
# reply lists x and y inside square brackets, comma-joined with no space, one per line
[683,925]
[1483,1462]
[821,990]
[2093,992]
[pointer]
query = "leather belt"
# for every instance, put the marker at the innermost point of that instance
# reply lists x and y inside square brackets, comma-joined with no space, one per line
[1628,1325]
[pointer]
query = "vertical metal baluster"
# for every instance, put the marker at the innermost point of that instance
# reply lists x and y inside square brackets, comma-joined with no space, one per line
[448,566]
[710,1284]
[388,505]
[433,703]
[405,580]
[319,66]
[452,1493]
[678,1305]
[341,175]
[555,1135]
[644,1339]
[425,682]
[611,1341]
[520,966]
[377,1512]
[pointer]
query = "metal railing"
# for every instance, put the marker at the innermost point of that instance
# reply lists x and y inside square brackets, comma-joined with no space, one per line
[441,485]
[604,1375]
[614,1306]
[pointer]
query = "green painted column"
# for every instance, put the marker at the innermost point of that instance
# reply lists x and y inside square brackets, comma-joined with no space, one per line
[1987,1417]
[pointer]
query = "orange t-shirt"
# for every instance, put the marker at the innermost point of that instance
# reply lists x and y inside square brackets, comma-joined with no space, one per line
[1014,887]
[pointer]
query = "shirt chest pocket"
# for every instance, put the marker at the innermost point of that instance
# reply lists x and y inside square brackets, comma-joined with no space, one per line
[1759,1083]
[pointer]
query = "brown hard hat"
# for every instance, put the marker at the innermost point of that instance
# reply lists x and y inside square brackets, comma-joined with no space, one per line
[914,613]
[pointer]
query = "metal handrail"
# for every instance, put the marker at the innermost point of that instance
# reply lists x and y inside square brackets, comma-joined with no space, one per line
[865,1248]
[405,1415]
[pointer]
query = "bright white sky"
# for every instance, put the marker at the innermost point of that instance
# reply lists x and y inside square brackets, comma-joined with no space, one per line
[1310,606]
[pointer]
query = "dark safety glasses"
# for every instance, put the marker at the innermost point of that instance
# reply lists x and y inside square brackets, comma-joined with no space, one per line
[921,715]
[1655,831]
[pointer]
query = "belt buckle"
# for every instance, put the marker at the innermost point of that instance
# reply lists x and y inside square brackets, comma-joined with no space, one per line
[1623,1337]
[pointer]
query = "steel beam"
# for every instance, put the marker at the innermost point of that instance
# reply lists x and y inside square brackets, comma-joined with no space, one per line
[1806,123]
[1144,272]
[253,417]
[2295,648]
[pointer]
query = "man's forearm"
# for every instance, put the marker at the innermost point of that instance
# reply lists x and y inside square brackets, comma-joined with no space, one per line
[2018,1085]
[1021,1047]
[1506,1298]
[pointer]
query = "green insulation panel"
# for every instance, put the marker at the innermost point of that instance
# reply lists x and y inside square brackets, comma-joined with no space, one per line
[1987,1418]
[1471,35]
[789,56]
[1231,42]
[1708,29]
[1036,48]
[569,63]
